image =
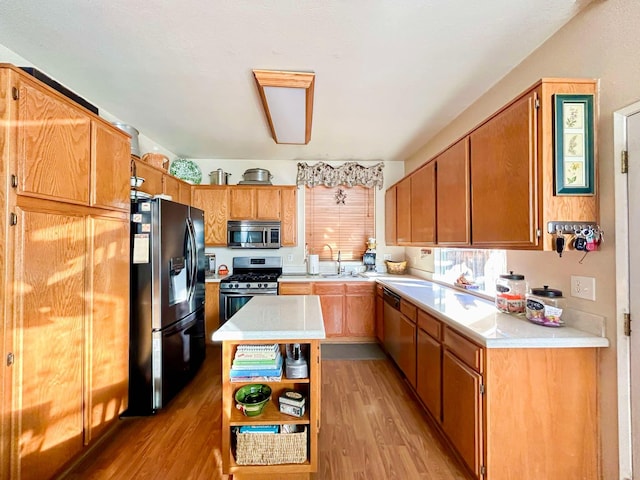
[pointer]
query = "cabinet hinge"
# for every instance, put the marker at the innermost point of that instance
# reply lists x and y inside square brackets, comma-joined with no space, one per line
[627,324]
[537,103]
[624,161]
[483,470]
[10,359]
[13,219]
[538,232]
[482,389]
[15,93]
[14,180]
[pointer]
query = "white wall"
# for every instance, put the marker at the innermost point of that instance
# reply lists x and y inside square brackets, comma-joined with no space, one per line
[601,42]
[146,144]
[284,173]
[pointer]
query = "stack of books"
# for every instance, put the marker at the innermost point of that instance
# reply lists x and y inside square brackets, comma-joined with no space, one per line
[257,363]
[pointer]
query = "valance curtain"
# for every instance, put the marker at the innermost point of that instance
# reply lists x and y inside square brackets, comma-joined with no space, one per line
[349,174]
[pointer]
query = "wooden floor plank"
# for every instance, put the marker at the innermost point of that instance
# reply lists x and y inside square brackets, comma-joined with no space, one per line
[372,428]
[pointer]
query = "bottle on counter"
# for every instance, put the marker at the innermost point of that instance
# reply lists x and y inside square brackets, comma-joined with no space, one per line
[511,291]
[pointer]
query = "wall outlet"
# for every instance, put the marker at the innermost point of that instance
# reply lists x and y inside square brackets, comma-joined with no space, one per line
[386,256]
[290,257]
[583,287]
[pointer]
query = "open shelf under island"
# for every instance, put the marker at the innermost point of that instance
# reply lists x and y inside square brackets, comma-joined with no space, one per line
[268,320]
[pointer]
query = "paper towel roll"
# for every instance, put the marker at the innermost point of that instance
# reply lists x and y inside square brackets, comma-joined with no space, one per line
[313,266]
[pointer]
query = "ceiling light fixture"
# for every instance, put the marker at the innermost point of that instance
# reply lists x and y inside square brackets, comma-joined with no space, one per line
[287,98]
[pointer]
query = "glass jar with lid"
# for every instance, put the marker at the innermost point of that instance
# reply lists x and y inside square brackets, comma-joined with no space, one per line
[544,306]
[511,291]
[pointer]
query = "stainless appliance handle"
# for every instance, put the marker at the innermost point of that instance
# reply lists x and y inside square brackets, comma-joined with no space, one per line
[193,267]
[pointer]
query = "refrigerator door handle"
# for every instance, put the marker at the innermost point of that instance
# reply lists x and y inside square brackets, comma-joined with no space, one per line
[193,258]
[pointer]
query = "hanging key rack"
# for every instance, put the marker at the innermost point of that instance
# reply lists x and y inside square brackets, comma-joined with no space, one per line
[581,236]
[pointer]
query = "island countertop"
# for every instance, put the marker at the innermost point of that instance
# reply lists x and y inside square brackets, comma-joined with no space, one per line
[275,317]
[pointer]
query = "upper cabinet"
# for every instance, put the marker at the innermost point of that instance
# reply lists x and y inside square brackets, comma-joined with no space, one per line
[59,168]
[110,169]
[390,225]
[452,195]
[495,187]
[240,202]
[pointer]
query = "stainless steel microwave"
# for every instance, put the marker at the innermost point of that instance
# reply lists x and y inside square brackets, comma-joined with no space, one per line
[253,234]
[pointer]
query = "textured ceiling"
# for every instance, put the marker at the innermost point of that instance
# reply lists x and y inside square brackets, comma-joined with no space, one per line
[389,74]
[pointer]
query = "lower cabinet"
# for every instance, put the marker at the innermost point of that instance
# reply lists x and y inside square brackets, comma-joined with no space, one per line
[348,308]
[70,343]
[379,314]
[211,309]
[525,413]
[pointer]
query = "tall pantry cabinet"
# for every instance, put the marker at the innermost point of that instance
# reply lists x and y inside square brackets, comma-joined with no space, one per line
[64,271]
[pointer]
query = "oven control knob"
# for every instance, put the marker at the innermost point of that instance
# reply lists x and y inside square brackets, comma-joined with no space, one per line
[259,285]
[235,286]
[248,285]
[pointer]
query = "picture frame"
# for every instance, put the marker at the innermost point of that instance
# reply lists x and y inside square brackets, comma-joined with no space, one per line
[574,144]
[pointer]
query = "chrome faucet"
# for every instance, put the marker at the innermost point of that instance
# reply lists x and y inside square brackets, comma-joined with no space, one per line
[340,267]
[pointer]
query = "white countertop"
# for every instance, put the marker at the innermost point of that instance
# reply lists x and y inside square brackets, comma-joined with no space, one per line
[480,320]
[275,317]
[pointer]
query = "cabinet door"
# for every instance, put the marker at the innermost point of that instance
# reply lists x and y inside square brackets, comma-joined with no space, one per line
[407,349]
[214,201]
[390,217]
[53,148]
[242,203]
[184,195]
[462,410]
[153,184]
[423,205]
[332,303]
[428,386]
[107,325]
[268,203]
[49,314]
[403,211]
[110,167]
[289,217]
[504,178]
[359,312]
[211,309]
[171,186]
[379,314]
[452,191]
[295,288]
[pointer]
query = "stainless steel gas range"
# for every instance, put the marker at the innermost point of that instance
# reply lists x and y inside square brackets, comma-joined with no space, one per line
[251,276]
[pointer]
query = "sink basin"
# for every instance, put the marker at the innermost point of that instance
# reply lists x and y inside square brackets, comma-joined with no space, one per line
[332,275]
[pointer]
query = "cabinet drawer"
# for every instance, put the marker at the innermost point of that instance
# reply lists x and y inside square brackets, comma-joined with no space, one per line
[364,288]
[409,310]
[328,288]
[294,288]
[464,349]
[430,325]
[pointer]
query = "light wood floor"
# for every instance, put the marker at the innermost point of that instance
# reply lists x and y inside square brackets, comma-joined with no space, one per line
[371,428]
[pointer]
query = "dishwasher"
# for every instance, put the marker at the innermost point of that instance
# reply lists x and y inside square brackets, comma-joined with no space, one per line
[392,319]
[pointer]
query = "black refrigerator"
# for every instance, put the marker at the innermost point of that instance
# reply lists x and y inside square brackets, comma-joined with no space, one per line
[167,334]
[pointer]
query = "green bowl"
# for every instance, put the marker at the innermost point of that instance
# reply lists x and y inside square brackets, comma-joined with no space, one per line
[251,399]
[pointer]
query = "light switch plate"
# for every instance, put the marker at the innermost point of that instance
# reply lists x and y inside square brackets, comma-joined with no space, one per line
[583,287]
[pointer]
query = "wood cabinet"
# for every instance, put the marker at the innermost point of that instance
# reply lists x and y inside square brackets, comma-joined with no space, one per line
[153,183]
[65,280]
[60,168]
[295,288]
[211,309]
[171,186]
[110,151]
[390,216]
[453,192]
[509,184]
[503,177]
[106,324]
[379,313]
[423,205]
[429,363]
[332,302]
[359,310]
[184,193]
[241,202]
[403,212]
[232,417]
[462,414]
[214,201]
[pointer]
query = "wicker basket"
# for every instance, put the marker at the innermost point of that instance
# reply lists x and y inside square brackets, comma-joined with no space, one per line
[397,268]
[271,448]
[156,160]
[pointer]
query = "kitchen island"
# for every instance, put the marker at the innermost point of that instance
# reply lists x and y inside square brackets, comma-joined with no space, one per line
[268,320]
